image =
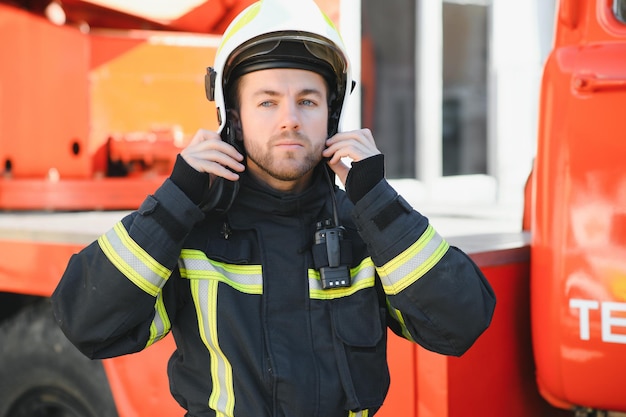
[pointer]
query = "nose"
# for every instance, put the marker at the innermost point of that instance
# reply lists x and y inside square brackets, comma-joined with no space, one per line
[290,118]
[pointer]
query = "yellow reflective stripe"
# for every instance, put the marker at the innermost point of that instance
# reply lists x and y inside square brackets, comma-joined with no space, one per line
[362,413]
[414,262]
[222,399]
[397,315]
[243,20]
[363,276]
[195,265]
[133,261]
[160,325]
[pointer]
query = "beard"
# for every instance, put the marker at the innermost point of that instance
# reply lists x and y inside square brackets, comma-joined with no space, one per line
[290,165]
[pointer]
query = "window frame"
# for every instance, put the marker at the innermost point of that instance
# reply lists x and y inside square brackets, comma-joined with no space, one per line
[619,10]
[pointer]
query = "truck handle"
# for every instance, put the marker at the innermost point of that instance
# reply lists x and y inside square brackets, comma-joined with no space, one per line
[589,83]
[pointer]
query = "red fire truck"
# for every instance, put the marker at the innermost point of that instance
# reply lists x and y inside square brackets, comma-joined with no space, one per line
[94,108]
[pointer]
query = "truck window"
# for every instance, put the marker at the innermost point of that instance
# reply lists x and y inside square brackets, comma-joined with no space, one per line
[619,8]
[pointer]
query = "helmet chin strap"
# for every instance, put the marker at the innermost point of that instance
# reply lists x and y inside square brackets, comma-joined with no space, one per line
[333,123]
[335,104]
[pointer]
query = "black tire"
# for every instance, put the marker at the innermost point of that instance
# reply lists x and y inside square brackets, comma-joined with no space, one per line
[43,375]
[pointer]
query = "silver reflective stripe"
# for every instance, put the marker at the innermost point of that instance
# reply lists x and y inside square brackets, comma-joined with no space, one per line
[160,325]
[363,276]
[194,264]
[222,398]
[414,262]
[133,261]
[362,413]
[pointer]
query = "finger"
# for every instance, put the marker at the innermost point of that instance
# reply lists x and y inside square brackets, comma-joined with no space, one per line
[349,148]
[218,146]
[357,145]
[219,169]
[210,160]
[206,140]
[340,169]
[363,136]
[206,145]
[216,170]
[202,135]
[214,157]
[221,158]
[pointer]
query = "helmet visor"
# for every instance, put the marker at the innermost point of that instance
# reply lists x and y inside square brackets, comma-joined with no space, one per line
[288,50]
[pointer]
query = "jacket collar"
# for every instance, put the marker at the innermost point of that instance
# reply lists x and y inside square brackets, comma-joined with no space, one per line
[256,201]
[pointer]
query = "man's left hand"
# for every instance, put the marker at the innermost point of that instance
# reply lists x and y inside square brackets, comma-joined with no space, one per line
[356,145]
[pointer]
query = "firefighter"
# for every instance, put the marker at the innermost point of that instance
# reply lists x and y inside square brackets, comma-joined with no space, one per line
[277,285]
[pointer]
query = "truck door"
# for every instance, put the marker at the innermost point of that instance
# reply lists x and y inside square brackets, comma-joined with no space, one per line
[578,258]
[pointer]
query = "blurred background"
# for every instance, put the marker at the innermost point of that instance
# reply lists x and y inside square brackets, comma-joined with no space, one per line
[449,88]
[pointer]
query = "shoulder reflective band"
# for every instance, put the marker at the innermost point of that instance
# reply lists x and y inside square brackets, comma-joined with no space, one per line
[133,261]
[414,262]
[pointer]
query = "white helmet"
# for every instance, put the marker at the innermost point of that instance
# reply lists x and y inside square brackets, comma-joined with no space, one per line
[281,34]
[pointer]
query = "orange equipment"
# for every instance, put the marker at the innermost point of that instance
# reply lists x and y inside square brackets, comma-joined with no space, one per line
[94,120]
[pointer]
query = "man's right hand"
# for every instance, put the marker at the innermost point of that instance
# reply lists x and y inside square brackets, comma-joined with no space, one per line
[207,152]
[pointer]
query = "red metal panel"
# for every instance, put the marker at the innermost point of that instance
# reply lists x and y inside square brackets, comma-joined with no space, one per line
[33,268]
[402,399]
[496,376]
[578,257]
[63,94]
[139,382]
[206,17]
[43,96]
[78,194]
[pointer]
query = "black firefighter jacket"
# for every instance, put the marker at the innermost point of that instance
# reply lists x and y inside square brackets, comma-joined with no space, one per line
[256,335]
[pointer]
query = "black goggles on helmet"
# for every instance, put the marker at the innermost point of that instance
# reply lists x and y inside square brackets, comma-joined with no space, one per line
[293,50]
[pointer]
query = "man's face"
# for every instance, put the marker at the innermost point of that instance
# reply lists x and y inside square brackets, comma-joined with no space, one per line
[284,120]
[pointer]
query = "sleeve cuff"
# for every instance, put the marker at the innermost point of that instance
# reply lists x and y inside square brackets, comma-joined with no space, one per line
[363,176]
[191,182]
